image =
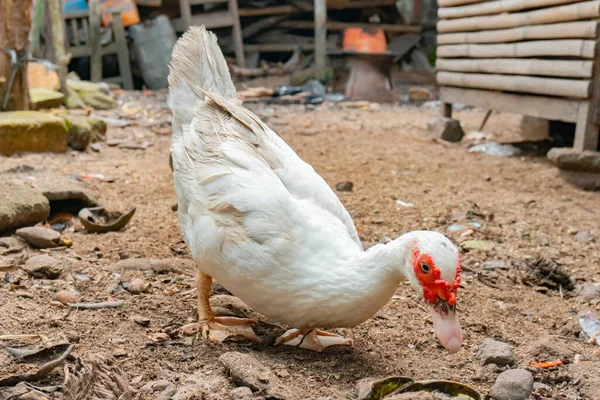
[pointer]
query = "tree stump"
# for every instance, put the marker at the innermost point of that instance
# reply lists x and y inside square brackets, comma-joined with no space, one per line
[15,23]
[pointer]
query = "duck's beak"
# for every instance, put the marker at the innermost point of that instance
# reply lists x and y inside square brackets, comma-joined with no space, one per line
[446,325]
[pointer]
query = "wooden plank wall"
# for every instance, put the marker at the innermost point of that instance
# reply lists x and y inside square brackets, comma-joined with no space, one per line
[543,49]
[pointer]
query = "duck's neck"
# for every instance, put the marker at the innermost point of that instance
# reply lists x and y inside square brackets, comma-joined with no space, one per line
[376,274]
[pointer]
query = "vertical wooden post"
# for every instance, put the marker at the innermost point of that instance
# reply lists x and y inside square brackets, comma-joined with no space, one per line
[186,13]
[15,23]
[96,57]
[58,41]
[417,11]
[238,40]
[320,39]
[122,51]
[588,120]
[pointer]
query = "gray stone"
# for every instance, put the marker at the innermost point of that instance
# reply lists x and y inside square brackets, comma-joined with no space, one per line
[587,291]
[21,206]
[344,186]
[60,188]
[584,237]
[494,352]
[246,370]
[542,388]
[572,160]
[13,244]
[202,385]
[39,237]
[514,384]
[44,267]
[241,393]
[583,180]
[445,128]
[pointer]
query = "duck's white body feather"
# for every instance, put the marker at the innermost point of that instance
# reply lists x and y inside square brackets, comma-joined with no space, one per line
[255,216]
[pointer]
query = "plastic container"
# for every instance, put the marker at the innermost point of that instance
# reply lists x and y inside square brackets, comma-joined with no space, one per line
[70,6]
[128,8]
[365,41]
[153,43]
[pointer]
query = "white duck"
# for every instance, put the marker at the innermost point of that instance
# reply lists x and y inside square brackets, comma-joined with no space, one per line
[266,226]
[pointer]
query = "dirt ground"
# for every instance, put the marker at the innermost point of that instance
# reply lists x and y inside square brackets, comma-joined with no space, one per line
[522,204]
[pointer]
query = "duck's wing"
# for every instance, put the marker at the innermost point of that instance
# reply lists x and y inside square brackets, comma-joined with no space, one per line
[234,208]
[198,72]
[299,177]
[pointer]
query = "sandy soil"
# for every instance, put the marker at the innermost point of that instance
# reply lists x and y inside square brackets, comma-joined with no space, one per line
[521,203]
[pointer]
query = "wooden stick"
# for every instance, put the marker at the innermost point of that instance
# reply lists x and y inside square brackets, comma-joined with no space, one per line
[515,66]
[523,84]
[566,30]
[21,337]
[159,266]
[534,106]
[572,12]
[95,306]
[497,7]
[557,48]
[340,26]
[485,120]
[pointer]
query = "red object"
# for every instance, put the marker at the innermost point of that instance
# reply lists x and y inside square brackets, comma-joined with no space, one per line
[430,280]
[365,41]
[547,364]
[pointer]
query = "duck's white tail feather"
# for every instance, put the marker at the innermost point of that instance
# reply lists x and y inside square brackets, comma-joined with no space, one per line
[197,62]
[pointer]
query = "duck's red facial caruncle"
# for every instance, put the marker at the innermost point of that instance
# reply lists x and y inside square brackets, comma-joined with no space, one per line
[430,278]
[441,296]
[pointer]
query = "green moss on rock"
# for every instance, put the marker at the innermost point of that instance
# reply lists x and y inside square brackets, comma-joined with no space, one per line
[83,130]
[42,98]
[32,131]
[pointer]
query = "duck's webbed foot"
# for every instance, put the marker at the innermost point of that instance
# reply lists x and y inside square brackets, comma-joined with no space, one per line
[216,329]
[221,328]
[312,339]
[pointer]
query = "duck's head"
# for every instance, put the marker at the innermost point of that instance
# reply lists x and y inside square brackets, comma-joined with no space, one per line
[433,269]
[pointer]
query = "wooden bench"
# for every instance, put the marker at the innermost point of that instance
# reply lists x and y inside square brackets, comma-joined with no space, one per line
[539,58]
[90,24]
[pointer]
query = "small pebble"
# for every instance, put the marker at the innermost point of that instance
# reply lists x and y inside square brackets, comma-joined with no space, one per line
[495,352]
[137,286]
[120,353]
[514,384]
[584,237]
[344,186]
[141,320]
[65,297]
[241,393]
[246,370]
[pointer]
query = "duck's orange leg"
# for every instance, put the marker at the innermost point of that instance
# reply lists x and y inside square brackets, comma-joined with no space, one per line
[216,329]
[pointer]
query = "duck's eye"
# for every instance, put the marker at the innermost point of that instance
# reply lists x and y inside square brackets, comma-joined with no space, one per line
[425,268]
